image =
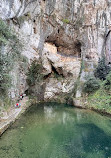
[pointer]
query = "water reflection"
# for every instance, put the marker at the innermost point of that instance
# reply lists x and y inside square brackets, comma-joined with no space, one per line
[49,112]
[58,132]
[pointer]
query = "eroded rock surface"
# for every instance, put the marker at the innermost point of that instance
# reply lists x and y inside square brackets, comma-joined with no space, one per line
[68,36]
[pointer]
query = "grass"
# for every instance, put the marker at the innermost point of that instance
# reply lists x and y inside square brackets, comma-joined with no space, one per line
[100,100]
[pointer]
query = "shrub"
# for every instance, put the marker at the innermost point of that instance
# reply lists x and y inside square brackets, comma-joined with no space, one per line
[5,33]
[34,73]
[65,21]
[100,100]
[102,70]
[107,82]
[91,85]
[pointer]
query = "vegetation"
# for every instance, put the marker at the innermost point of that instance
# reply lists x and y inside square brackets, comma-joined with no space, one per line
[34,73]
[66,21]
[91,85]
[5,80]
[102,70]
[107,82]
[10,48]
[99,91]
[5,33]
[101,99]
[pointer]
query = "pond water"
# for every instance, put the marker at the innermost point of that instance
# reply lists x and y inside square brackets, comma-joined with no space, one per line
[51,130]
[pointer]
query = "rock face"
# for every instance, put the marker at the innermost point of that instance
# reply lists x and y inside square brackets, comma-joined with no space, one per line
[68,36]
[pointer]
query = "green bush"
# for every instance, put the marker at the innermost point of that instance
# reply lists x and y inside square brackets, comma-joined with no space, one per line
[66,21]
[8,37]
[34,73]
[100,100]
[107,82]
[91,85]
[6,34]
[102,70]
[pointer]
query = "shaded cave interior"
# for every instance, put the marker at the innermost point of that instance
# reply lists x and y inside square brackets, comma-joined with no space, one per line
[66,46]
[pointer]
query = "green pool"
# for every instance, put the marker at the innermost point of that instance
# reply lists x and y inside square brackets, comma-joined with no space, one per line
[52,130]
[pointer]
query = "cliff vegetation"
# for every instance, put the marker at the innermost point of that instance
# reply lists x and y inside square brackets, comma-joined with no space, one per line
[98,88]
[10,54]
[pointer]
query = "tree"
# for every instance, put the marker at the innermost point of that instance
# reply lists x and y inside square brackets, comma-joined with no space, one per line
[102,70]
[34,74]
[91,85]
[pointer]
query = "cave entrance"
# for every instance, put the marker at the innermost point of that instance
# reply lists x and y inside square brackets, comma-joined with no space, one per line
[64,47]
[78,48]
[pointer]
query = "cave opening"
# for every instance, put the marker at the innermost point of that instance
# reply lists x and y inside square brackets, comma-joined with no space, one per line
[64,47]
[54,71]
[57,72]
[78,48]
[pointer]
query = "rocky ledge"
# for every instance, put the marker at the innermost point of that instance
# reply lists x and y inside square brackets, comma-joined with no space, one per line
[12,115]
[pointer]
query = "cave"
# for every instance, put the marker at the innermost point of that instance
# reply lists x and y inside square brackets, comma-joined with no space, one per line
[67,48]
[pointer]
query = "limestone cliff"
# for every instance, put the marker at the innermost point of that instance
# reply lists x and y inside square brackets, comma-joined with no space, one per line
[68,36]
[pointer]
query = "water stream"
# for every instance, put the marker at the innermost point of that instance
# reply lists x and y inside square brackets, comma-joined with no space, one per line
[52,130]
